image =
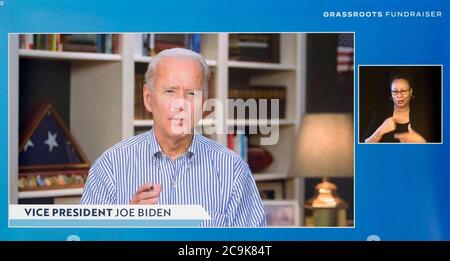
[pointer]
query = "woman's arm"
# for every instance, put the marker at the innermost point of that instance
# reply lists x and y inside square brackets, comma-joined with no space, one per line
[387,126]
[374,138]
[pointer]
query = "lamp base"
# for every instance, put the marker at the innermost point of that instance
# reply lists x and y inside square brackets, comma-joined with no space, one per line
[329,217]
[324,217]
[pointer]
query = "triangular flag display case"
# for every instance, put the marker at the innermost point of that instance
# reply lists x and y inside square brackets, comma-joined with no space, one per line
[49,156]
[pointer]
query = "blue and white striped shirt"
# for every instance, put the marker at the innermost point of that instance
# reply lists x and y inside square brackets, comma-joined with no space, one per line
[208,174]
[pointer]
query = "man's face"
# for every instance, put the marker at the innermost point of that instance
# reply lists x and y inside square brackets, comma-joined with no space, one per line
[176,97]
[401,93]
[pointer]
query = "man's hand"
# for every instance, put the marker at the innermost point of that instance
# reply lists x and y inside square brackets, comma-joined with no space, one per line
[410,137]
[147,194]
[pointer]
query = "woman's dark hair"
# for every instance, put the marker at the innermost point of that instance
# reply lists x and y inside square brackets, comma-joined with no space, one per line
[400,75]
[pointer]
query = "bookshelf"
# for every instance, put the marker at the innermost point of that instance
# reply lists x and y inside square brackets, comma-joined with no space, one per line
[102,95]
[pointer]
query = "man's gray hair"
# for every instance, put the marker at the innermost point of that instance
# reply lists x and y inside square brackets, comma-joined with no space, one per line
[179,53]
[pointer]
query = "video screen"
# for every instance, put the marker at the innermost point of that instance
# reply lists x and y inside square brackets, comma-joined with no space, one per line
[260,124]
[212,121]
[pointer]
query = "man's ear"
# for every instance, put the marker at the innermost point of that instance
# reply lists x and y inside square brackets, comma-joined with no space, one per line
[210,110]
[146,96]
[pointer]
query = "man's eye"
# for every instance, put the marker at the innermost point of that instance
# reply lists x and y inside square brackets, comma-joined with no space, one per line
[191,93]
[169,91]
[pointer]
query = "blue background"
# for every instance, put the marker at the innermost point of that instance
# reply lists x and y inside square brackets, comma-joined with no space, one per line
[406,199]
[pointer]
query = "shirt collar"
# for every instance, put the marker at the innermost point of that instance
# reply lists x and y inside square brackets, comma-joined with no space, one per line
[156,150]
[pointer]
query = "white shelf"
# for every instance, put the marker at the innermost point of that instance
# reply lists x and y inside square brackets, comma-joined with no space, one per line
[149,123]
[259,65]
[143,123]
[142,59]
[269,176]
[55,55]
[147,59]
[256,122]
[207,122]
[51,193]
[211,63]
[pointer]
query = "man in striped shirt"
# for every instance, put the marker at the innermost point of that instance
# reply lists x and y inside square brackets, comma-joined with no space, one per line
[170,164]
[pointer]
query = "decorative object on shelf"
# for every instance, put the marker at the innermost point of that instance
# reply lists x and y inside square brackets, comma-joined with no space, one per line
[328,208]
[258,159]
[255,47]
[283,213]
[49,157]
[271,189]
[325,149]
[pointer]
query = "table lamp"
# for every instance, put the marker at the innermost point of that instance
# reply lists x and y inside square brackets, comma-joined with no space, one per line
[325,149]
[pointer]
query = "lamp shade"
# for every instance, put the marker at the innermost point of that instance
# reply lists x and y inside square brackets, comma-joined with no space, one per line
[325,146]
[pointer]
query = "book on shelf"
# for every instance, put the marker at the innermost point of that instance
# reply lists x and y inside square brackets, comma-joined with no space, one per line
[81,43]
[100,43]
[259,93]
[97,43]
[141,130]
[195,43]
[69,47]
[238,143]
[26,41]
[86,39]
[50,42]
[254,47]
[147,44]
[140,112]
[155,43]
[212,85]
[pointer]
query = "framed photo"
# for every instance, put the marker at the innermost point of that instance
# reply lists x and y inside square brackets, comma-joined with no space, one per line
[284,213]
[271,190]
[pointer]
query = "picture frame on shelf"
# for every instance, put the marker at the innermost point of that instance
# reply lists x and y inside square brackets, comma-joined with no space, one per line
[284,213]
[271,190]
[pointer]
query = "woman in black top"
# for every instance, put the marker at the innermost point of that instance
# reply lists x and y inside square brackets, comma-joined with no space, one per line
[398,125]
